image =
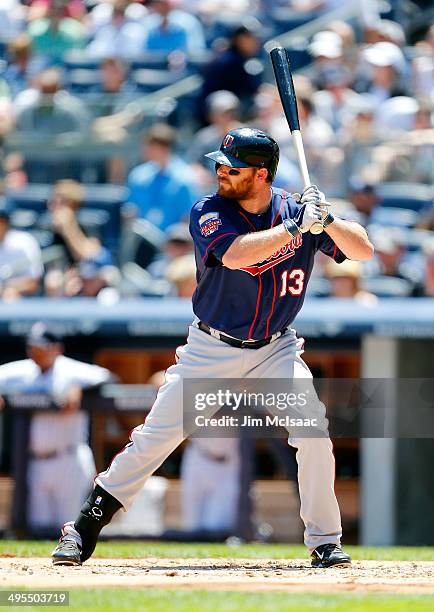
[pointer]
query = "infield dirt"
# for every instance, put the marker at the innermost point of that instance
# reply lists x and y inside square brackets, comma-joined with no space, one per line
[243,574]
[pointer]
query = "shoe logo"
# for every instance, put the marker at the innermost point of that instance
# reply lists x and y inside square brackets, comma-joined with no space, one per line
[97,512]
[320,555]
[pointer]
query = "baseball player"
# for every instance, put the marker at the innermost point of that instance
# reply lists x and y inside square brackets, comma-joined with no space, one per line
[254,255]
[61,465]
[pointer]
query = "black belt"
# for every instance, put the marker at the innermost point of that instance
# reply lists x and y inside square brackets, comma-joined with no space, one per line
[251,344]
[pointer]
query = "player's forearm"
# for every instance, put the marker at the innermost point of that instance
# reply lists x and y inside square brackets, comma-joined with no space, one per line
[351,238]
[251,248]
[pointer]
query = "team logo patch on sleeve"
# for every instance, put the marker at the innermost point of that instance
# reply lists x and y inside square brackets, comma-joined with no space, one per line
[209,223]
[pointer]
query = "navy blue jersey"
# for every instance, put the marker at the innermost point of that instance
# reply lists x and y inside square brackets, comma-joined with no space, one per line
[256,301]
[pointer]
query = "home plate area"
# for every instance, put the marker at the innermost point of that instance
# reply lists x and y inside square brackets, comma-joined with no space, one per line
[243,574]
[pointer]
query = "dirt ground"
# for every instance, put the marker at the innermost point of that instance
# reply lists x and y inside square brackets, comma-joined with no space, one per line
[243,574]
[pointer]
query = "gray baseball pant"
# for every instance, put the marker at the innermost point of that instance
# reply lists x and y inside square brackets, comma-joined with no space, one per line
[204,356]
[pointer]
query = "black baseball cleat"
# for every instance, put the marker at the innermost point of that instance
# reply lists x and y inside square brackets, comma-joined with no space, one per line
[67,552]
[329,555]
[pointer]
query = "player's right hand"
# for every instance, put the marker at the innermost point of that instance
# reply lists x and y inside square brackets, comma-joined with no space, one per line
[308,215]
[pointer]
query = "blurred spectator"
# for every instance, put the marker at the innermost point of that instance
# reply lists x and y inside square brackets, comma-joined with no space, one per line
[332,76]
[63,205]
[181,272]
[6,109]
[210,482]
[61,465]
[102,13]
[15,176]
[113,93]
[48,109]
[427,220]
[236,69]
[179,242]
[56,33]
[385,71]
[163,187]
[325,159]
[345,282]
[428,284]
[347,35]
[92,277]
[388,255]
[222,113]
[76,9]
[114,76]
[121,37]
[22,67]
[170,29]
[385,30]
[12,17]
[358,136]
[21,266]
[390,261]
[395,115]
[363,197]
[329,62]
[76,245]
[269,117]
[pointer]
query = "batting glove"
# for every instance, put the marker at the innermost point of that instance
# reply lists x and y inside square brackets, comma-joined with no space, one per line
[315,198]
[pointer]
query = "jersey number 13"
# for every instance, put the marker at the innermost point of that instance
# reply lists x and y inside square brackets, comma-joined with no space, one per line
[292,282]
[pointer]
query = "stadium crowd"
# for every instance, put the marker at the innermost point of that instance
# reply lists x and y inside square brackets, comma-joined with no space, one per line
[107,108]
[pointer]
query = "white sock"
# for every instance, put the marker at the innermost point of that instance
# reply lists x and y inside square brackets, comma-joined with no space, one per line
[69,532]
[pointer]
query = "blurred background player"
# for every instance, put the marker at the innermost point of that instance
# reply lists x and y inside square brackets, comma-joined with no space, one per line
[21,266]
[61,466]
[210,483]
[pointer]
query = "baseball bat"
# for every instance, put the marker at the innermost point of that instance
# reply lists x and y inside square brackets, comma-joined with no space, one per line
[285,85]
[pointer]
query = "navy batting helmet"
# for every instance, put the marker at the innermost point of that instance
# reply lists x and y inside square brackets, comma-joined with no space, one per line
[248,148]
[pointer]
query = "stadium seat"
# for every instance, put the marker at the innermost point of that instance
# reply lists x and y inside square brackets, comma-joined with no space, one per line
[23,219]
[84,80]
[285,19]
[142,243]
[195,62]
[416,238]
[147,80]
[43,237]
[48,170]
[150,61]
[387,286]
[78,58]
[299,55]
[405,195]
[318,287]
[397,217]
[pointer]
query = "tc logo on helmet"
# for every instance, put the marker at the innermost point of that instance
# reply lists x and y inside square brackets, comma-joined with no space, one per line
[228,140]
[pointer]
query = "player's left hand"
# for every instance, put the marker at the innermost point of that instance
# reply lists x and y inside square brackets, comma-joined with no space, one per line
[72,400]
[314,199]
[312,195]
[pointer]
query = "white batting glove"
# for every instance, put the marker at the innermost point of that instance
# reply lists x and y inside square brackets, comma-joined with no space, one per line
[315,199]
[309,215]
[311,195]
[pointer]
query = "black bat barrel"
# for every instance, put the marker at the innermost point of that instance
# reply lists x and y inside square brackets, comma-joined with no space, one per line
[282,72]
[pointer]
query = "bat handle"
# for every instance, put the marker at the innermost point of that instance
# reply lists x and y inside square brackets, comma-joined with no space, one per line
[301,158]
[316,228]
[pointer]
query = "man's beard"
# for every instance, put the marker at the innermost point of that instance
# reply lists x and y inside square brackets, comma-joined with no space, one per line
[241,192]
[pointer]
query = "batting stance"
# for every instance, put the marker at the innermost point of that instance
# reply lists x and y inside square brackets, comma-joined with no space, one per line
[254,255]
